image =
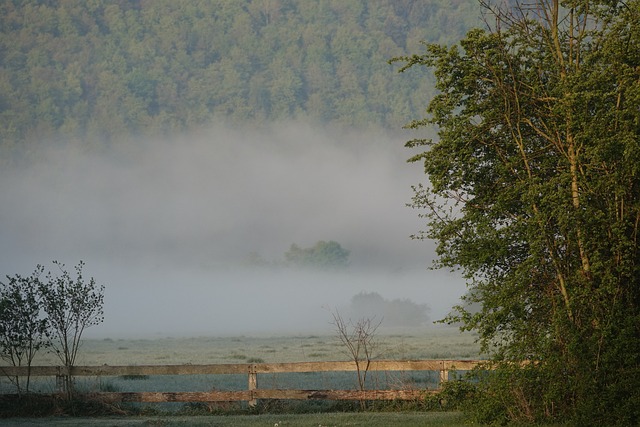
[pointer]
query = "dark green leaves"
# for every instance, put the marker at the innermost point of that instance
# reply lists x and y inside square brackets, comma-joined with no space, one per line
[534,194]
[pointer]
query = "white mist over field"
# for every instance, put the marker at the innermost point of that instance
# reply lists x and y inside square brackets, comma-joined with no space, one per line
[169,225]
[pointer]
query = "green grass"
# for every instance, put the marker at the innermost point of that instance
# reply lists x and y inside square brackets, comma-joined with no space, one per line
[431,343]
[369,419]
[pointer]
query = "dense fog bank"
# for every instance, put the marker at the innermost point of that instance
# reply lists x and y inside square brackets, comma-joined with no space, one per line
[170,226]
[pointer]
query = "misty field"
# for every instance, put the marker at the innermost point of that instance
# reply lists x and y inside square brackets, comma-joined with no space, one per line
[428,343]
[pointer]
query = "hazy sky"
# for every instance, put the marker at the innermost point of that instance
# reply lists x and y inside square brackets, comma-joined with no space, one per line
[167,224]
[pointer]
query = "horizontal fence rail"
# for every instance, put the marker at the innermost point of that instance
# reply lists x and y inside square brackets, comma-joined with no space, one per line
[252,370]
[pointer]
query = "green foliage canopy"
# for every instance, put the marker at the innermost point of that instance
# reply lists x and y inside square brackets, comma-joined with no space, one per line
[534,192]
[322,255]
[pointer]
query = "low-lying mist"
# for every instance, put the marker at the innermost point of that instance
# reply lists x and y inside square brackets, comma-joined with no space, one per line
[168,226]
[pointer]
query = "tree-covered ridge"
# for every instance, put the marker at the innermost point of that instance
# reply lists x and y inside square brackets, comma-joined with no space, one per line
[99,69]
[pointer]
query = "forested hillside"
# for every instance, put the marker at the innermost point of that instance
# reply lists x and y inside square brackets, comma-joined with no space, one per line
[97,70]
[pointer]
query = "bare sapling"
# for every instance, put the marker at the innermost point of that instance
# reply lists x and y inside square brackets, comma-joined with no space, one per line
[359,340]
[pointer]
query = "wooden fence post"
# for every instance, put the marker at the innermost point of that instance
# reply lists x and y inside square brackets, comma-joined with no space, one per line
[253,384]
[60,381]
[444,374]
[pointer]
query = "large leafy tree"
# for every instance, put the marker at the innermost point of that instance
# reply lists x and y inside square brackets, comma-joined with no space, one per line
[534,193]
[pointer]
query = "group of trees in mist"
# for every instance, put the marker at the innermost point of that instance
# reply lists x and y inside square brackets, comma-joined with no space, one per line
[47,311]
[396,313]
[327,256]
[534,193]
[101,69]
[322,255]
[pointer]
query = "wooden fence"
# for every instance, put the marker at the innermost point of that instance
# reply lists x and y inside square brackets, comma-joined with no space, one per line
[252,370]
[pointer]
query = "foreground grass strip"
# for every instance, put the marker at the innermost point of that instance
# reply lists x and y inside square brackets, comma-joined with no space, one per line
[369,419]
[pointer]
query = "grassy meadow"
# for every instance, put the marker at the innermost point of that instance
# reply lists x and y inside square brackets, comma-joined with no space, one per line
[434,343]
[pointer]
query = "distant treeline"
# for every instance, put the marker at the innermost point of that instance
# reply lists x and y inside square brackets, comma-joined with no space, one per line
[102,69]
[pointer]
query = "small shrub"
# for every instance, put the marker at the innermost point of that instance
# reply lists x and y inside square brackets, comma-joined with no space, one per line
[195,408]
[108,387]
[237,357]
[134,377]
[255,360]
[454,396]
